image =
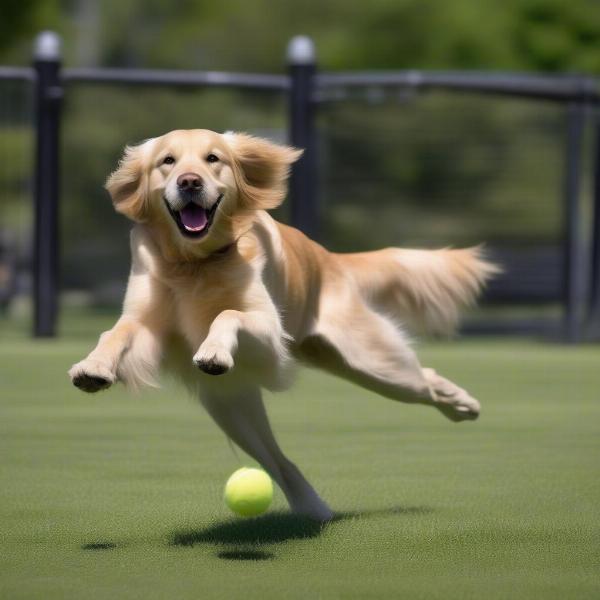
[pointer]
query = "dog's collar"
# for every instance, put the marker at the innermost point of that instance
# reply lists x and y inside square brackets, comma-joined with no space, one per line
[224,249]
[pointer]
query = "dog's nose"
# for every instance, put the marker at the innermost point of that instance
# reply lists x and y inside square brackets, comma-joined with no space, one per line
[189,182]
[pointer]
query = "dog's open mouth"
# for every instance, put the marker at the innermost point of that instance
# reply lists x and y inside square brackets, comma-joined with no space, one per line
[193,220]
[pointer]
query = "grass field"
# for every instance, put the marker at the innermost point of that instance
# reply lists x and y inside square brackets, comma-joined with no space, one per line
[113,496]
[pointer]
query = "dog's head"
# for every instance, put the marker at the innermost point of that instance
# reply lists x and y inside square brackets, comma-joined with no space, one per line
[199,187]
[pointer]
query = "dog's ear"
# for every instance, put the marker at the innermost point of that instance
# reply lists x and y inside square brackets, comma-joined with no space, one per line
[261,169]
[127,185]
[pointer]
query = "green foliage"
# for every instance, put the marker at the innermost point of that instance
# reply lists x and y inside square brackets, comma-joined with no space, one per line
[552,35]
[549,35]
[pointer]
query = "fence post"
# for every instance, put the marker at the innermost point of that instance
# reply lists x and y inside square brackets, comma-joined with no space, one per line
[48,93]
[303,181]
[594,306]
[574,267]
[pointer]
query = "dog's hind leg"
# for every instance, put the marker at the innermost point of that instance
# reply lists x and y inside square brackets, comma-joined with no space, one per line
[453,401]
[360,345]
[242,417]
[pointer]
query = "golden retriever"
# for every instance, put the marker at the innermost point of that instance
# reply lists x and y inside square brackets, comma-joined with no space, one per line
[228,299]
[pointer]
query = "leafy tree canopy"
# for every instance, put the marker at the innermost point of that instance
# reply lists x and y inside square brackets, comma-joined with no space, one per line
[547,35]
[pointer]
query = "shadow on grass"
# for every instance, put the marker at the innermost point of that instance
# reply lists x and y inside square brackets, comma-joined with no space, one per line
[99,546]
[244,554]
[276,528]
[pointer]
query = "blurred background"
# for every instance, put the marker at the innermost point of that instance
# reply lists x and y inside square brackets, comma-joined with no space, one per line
[395,166]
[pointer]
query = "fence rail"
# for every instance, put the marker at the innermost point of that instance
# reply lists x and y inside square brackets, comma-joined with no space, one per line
[306,89]
[564,88]
[17,74]
[178,78]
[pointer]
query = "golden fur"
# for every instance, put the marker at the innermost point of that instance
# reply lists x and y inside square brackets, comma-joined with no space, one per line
[252,296]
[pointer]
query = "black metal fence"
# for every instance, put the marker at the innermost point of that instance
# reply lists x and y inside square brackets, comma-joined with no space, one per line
[310,95]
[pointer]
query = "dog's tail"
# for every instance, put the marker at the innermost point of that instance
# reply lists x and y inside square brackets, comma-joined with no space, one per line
[425,289]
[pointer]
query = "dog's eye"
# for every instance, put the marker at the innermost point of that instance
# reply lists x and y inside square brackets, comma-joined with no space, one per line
[212,158]
[168,160]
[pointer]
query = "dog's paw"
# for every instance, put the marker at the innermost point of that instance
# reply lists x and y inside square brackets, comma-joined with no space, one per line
[463,409]
[213,359]
[454,403]
[91,376]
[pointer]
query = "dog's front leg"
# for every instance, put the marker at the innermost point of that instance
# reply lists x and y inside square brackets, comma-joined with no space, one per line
[258,333]
[98,371]
[131,350]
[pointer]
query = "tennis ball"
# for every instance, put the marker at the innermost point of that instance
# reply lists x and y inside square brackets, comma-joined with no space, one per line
[249,492]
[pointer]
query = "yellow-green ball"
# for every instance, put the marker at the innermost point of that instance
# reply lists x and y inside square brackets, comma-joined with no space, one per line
[249,492]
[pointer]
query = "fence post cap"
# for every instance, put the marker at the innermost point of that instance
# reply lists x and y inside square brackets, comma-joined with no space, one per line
[301,51]
[47,46]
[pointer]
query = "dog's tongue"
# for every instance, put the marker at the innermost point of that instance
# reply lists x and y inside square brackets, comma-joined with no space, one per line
[193,217]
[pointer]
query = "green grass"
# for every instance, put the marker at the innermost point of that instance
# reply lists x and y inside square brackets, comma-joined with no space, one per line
[113,496]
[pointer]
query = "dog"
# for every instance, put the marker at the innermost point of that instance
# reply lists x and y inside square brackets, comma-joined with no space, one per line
[228,300]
